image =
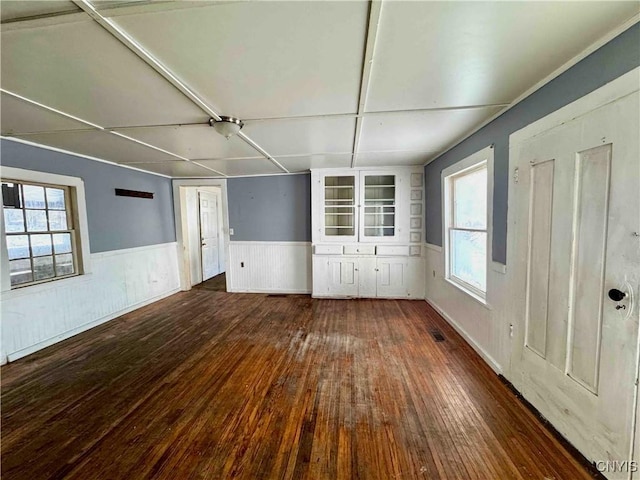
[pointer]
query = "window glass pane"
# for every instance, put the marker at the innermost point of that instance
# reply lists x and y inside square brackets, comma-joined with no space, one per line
[470,200]
[20,271]
[36,220]
[64,264]
[18,246]
[379,189]
[57,220]
[379,231]
[43,268]
[41,245]
[13,220]
[62,242]
[55,198]
[468,257]
[33,196]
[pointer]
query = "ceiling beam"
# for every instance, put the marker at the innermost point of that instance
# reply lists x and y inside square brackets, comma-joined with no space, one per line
[121,35]
[375,12]
[275,119]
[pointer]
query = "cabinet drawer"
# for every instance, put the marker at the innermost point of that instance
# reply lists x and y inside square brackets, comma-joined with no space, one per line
[392,250]
[359,250]
[328,249]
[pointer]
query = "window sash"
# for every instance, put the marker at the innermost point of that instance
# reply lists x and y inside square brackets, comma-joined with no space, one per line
[69,230]
[452,188]
[451,227]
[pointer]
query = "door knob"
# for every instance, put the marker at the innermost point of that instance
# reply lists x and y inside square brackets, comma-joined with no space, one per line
[616,295]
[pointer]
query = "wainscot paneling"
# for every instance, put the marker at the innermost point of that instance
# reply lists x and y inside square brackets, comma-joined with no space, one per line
[269,267]
[485,327]
[117,282]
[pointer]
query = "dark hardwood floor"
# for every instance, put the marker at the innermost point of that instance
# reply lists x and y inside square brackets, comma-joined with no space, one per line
[208,385]
[215,284]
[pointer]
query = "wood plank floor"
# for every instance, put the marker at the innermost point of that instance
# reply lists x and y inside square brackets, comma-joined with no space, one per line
[208,385]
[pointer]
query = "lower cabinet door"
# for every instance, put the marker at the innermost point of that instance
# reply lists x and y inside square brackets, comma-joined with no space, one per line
[343,276]
[367,277]
[392,277]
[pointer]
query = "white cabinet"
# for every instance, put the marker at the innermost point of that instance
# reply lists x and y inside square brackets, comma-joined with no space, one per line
[368,206]
[361,233]
[367,276]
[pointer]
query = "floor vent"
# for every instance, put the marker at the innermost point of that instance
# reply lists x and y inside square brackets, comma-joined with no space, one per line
[277,295]
[437,335]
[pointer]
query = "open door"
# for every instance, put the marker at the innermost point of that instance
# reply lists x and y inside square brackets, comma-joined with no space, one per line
[575,257]
[209,234]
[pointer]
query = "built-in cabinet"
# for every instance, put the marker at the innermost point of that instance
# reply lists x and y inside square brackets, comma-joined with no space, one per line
[367,233]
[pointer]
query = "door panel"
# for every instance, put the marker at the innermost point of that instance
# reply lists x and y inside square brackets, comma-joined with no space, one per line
[539,256]
[343,276]
[367,277]
[591,213]
[575,218]
[392,277]
[209,234]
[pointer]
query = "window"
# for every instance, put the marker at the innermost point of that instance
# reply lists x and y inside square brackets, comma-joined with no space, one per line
[45,235]
[40,233]
[466,215]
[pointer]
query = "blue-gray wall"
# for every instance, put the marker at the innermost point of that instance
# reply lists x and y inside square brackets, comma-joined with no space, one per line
[617,57]
[273,208]
[114,222]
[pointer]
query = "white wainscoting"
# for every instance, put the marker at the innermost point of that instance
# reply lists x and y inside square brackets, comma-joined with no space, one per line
[484,327]
[269,267]
[119,282]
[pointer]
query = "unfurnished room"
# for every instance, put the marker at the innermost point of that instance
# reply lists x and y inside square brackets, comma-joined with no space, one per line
[307,240]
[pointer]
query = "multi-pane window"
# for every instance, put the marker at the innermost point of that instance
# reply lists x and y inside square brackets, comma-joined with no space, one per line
[467,228]
[40,234]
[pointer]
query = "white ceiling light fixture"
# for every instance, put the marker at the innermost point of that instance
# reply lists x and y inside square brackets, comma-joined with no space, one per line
[226,126]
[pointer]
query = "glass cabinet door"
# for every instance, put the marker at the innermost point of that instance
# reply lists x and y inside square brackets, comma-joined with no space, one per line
[340,206]
[379,206]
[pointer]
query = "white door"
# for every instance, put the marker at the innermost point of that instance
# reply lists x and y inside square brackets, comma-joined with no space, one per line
[574,228]
[392,277]
[209,234]
[343,276]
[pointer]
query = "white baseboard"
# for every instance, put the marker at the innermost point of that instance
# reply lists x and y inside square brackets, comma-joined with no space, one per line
[495,366]
[83,328]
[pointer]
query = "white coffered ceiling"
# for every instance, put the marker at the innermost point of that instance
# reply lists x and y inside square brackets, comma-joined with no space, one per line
[317,83]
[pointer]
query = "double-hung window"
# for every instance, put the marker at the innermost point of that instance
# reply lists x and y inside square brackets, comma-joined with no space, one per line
[44,227]
[466,215]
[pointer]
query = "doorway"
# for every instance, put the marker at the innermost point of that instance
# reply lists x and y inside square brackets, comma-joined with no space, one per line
[202,232]
[574,260]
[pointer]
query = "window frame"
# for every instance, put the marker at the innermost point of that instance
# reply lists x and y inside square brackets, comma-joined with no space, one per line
[74,187]
[480,159]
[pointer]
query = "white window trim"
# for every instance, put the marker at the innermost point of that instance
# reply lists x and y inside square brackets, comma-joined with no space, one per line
[83,252]
[486,154]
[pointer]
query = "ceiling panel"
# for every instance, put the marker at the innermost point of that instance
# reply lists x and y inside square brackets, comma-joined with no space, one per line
[100,144]
[178,168]
[242,166]
[12,9]
[82,70]
[303,135]
[262,59]
[19,116]
[303,163]
[390,159]
[192,141]
[440,54]
[418,131]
